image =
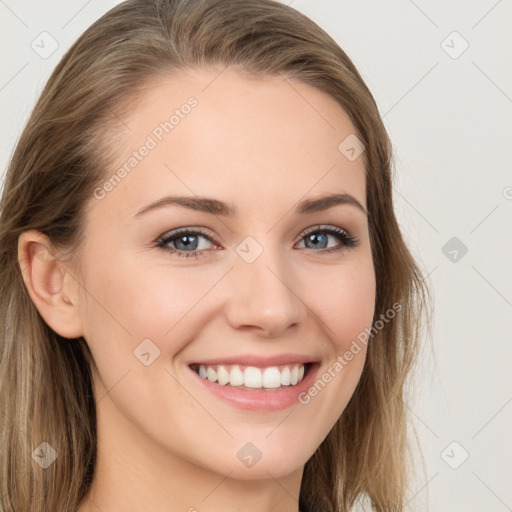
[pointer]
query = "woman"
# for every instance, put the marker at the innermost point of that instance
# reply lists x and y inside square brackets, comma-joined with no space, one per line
[207,302]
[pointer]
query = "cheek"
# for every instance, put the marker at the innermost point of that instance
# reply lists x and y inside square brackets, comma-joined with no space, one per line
[343,299]
[143,302]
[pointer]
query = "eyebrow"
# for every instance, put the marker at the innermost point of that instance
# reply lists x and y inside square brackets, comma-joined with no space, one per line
[216,207]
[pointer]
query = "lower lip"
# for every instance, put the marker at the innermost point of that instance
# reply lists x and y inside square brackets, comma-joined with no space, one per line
[261,399]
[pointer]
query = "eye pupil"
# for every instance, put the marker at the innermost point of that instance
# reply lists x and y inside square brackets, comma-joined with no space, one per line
[186,244]
[316,239]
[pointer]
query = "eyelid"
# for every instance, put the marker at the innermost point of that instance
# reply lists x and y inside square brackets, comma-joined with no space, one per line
[321,227]
[203,231]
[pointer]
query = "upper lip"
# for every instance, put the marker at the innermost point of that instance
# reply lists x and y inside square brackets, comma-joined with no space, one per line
[256,360]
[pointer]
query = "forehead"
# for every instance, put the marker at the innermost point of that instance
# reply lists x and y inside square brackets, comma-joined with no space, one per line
[221,133]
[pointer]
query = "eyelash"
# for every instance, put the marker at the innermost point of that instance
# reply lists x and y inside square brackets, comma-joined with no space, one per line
[343,236]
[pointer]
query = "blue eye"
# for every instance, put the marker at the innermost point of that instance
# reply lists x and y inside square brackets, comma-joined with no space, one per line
[186,242]
[186,238]
[317,236]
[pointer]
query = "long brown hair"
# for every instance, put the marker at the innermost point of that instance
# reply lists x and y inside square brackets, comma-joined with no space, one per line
[45,382]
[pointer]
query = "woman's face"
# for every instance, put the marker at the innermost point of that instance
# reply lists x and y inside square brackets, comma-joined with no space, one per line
[275,283]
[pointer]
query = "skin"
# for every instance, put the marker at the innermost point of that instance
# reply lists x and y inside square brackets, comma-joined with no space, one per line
[165,443]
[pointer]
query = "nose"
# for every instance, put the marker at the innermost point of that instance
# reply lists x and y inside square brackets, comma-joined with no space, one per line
[263,295]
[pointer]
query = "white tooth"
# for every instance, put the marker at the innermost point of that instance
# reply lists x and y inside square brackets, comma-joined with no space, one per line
[285,376]
[272,377]
[211,374]
[236,377]
[294,375]
[252,377]
[222,375]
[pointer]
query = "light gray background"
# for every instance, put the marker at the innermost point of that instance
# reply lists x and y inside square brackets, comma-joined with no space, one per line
[449,117]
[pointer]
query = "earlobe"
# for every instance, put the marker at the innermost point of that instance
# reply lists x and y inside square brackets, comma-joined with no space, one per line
[44,276]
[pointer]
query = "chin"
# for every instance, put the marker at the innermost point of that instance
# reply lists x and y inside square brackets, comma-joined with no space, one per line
[247,462]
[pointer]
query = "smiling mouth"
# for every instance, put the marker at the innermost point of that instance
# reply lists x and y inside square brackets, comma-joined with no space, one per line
[253,378]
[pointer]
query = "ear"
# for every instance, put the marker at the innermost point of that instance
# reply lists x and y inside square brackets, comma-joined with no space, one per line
[50,285]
